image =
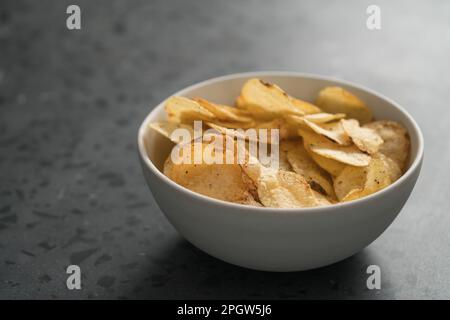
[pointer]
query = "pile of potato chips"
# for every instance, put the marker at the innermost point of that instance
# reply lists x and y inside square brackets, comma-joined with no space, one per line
[329,152]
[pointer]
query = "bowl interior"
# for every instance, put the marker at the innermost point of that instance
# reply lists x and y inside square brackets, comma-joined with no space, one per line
[226,89]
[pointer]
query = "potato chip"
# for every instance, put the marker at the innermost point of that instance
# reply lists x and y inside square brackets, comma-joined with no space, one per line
[240,104]
[234,133]
[356,183]
[251,186]
[394,169]
[234,124]
[318,118]
[323,117]
[286,130]
[250,202]
[333,167]
[322,146]
[266,101]
[396,143]
[256,135]
[184,110]
[257,89]
[305,107]
[331,130]
[219,181]
[351,178]
[353,195]
[167,128]
[349,155]
[298,186]
[339,100]
[284,163]
[304,165]
[223,112]
[283,189]
[322,200]
[364,138]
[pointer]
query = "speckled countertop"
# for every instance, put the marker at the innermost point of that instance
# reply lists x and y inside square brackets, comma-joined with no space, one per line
[71,189]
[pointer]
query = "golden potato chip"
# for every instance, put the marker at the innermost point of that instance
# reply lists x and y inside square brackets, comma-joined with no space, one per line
[223,112]
[184,110]
[286,130]
[323,117]
[251,185]
[396,143]
[331,130]
[353,195]
[379,174]
[322,200]
[333,167]
[240,104]
[219,181]
[339,100]
[253,169]
[318,123]
[323,147]
[293,120]
[364,138]
[318,118]
[298,186]
[394,169]
[252,135]
[304,165]
[234,124]
[349,155]
[351,178]
[250,202]
[240,134]
[284,189]
[266,101]
[305,107]
[254,94]
[198,152]
[356,183]
[283,157]
[167,128]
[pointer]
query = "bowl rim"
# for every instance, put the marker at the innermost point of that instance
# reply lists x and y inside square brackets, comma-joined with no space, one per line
[415,165]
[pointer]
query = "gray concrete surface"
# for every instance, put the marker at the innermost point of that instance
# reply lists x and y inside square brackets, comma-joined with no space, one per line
[71,189]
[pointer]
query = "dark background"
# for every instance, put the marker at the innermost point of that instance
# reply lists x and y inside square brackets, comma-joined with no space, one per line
[71,189]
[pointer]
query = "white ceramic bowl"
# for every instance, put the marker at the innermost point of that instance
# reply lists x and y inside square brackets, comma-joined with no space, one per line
[277,239]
